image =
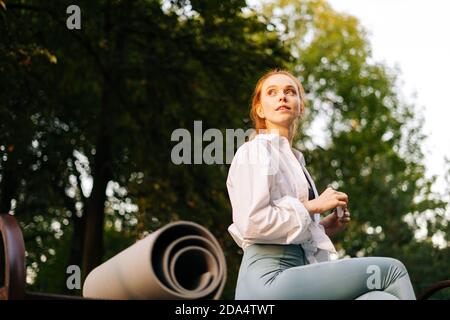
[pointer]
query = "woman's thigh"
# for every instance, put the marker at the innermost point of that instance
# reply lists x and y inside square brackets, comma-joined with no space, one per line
[339,279]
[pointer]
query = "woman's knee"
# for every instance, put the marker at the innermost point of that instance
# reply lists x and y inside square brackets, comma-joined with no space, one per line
[397,264]
[386,262]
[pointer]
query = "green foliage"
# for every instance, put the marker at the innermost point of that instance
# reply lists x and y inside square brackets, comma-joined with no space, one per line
[112,93]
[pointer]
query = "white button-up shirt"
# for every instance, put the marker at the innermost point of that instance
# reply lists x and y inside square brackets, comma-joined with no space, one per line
[267,187]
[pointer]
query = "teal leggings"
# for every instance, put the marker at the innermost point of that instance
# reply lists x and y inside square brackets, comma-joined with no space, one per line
[281,272]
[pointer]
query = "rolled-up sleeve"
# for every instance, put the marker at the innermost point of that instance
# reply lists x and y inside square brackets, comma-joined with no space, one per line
[255,217]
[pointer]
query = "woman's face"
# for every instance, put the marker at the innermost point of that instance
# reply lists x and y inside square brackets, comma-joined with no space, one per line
[280,101]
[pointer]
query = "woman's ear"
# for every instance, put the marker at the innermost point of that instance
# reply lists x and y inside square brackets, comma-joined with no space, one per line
[260,111]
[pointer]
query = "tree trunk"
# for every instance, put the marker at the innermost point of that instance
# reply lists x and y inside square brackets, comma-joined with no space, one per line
[95,208]
[95,204]
[77,244]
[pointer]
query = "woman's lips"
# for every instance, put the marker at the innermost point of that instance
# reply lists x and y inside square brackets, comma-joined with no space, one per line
[281,108]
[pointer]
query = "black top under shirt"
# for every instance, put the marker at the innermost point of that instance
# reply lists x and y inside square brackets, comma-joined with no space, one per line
[311,194]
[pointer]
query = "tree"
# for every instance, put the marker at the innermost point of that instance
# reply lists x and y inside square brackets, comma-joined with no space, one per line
[110,96]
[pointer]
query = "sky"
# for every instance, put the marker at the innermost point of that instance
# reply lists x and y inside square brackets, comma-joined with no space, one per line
[414,35]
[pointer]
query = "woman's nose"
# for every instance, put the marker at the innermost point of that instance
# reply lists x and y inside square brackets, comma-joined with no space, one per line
[282,97]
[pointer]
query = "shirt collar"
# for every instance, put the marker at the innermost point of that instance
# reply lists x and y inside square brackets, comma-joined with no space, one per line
[271,137]
[281,141]
[299,155]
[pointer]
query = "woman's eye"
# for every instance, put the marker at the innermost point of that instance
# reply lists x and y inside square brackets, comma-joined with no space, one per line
[271,92]
[290,91]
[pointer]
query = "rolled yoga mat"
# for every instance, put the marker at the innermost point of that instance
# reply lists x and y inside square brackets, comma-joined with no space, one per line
[181,260]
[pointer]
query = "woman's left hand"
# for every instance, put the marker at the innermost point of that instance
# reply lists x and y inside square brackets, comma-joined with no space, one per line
[333,224]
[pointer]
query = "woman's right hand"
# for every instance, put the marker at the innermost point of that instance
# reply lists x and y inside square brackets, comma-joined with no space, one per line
[329,199]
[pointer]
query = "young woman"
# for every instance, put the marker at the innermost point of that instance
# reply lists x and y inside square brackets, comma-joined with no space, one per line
[276,214]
